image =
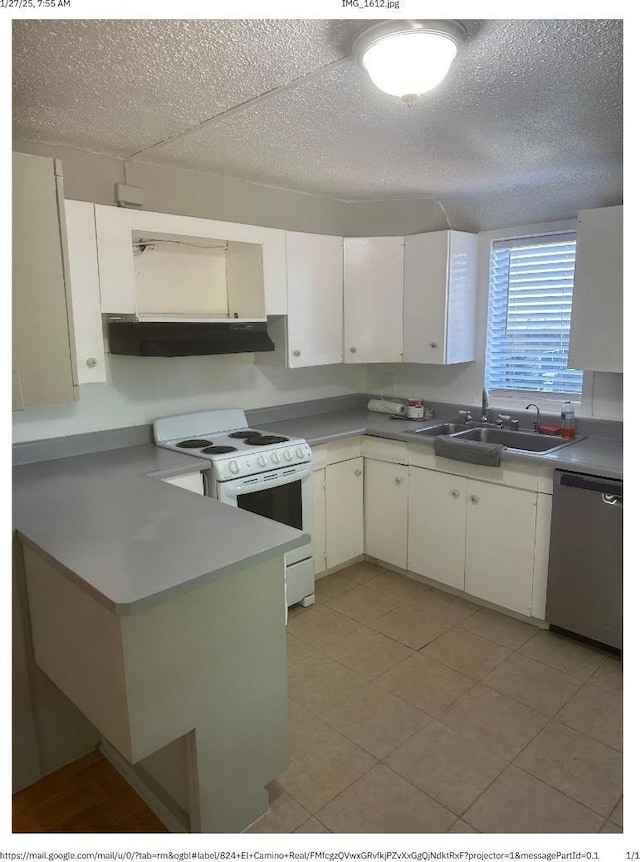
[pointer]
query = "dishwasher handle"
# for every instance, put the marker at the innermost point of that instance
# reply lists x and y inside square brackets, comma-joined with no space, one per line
[582,482]
[612,499]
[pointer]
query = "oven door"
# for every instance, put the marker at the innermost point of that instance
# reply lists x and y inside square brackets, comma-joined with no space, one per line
[284,495]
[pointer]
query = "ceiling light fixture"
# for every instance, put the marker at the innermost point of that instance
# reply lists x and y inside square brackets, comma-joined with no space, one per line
[408,58]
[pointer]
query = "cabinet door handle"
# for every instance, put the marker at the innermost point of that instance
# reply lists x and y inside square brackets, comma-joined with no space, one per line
[353,349]
[398,480]
[474,499]
[433,345]
[296,353]
[358,472]
[92,362]
[455,493]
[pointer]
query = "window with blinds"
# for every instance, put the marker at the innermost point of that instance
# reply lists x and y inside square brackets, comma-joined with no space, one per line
[530,294]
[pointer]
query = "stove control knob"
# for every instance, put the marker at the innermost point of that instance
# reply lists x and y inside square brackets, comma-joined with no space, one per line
[300,452]
[275,458]
[288,455]
[234,467]
[262,461]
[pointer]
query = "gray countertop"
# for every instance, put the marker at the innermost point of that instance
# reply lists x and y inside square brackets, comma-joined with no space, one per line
[109,523]
[596,456]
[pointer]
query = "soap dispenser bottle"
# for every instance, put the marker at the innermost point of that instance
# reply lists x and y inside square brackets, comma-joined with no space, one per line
[567,421]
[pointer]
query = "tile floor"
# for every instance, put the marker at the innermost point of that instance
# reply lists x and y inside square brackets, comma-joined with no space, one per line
[412,710]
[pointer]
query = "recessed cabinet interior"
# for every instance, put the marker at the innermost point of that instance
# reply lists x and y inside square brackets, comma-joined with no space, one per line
[313,333]
[373,268]
[596,315]
[440,297]
[164,267]
[44,362]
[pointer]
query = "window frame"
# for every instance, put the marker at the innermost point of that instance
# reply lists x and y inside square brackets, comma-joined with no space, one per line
[517,399]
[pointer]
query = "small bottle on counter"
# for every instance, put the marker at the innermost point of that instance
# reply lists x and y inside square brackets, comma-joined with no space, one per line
[415,408]
[567,421]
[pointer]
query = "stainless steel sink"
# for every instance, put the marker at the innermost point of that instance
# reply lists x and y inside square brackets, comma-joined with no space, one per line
[522,440]
[436,430]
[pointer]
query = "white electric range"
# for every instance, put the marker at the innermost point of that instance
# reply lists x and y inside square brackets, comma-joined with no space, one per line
[263,473]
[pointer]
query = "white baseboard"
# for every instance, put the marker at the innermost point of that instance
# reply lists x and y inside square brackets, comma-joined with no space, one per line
[132,776]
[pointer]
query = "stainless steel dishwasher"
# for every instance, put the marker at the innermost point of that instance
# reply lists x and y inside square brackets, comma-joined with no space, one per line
[584,590]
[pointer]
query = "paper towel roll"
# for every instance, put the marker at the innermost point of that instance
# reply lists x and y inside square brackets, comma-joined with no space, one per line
[392,407]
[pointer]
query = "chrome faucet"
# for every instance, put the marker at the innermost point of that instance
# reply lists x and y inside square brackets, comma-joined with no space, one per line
[485,407]
[536,424]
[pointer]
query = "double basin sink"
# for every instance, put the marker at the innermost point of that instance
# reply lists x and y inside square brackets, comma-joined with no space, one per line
[524,441]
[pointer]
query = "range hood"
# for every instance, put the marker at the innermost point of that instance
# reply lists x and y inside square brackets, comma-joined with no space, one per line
[180,338]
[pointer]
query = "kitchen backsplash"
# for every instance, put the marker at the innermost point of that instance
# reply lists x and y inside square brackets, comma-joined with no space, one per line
[142,389]
[463,384]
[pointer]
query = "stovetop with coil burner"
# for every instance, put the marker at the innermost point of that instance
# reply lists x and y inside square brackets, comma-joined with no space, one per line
[233,451]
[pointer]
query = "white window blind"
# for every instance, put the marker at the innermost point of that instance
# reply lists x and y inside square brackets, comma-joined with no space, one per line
[531,290]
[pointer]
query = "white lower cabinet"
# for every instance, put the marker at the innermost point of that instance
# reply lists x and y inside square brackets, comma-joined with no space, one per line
[338,527]
[385,511]
[437,526]
[474,536]
[344,528]
[319,522]
[500,542]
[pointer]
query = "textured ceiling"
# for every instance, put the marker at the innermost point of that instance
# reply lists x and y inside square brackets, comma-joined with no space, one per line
[530,106]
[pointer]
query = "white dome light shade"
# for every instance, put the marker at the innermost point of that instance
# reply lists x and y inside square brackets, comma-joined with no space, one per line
[408,58]
[412,63]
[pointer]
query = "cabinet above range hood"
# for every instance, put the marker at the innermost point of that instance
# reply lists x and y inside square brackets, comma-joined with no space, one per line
[187,338]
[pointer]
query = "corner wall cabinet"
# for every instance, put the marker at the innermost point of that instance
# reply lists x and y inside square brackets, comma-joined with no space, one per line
[373,268]
[440,276]
[44,361]
[596,316]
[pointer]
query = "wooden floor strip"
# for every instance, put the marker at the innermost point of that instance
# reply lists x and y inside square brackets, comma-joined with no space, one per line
[88,795]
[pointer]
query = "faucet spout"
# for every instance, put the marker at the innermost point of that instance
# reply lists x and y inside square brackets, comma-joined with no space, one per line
[485,406]
[536,424]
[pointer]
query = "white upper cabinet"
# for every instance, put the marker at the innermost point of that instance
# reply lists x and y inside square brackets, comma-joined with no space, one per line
[115,260]
[596,316]
[44,363]
[373,275]
[162,266]
[440,274]
[314,299]
[85,291]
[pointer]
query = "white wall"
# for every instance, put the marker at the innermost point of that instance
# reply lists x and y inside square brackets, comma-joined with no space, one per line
[143,388]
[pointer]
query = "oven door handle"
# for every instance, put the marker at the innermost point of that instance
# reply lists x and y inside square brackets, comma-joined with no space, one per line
[234,489]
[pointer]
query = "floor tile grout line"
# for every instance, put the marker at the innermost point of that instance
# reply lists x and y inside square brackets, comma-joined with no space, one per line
[563,792]
[509,759]
[467,739]
[430,717]
[579,679]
